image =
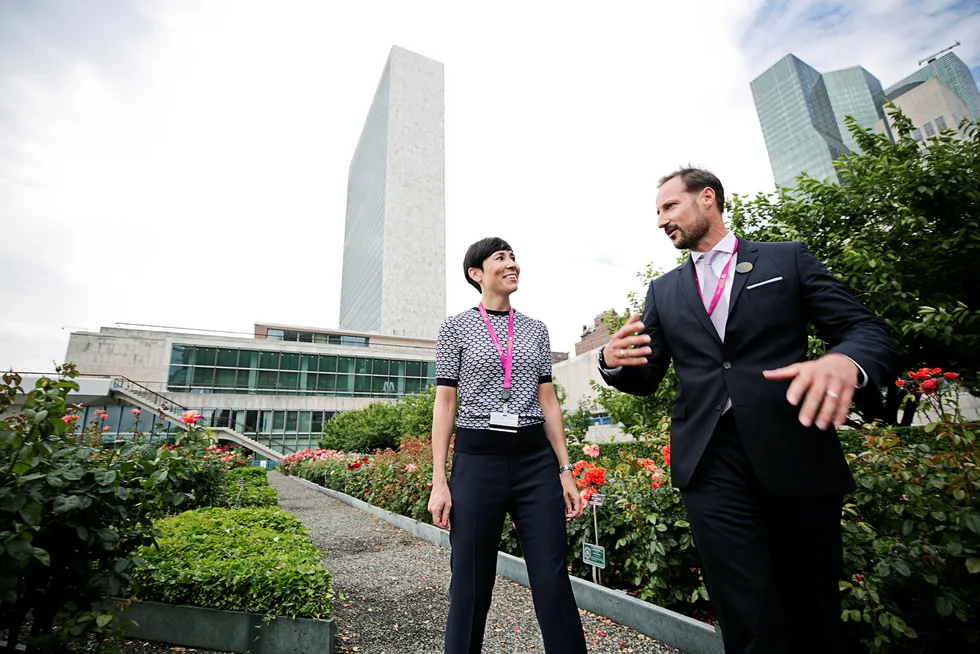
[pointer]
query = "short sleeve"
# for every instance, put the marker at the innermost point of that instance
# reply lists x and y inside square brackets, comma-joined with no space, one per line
[448,355]
[544,376]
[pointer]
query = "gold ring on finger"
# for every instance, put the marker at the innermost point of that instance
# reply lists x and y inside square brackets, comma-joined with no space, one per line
[622,353]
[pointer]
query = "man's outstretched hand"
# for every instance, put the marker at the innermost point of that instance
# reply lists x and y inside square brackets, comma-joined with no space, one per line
[826,387]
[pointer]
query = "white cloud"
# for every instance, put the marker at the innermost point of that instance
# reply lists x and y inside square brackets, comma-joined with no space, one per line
[186,163]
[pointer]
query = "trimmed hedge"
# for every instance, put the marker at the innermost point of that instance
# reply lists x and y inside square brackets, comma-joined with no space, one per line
[259,560]
[255,493]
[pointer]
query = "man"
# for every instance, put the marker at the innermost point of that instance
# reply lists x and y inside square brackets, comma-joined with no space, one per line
[753,445]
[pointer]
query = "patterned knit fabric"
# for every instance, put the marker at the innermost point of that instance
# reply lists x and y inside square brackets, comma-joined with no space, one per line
[467,359]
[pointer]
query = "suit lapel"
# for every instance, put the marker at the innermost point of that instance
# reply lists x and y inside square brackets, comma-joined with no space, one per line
[747,253]
[689,289]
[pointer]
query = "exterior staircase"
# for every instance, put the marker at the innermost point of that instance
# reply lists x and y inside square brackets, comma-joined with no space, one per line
[130,392]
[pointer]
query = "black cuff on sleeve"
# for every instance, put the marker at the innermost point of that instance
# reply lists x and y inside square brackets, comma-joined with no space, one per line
[544,379]
[445,381]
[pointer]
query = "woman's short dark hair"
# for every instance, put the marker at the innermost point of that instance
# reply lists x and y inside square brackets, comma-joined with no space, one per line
[477,253]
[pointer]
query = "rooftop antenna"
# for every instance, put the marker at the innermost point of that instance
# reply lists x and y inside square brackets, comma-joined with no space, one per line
[931,58]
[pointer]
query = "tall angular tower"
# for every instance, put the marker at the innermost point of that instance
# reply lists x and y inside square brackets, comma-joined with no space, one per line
[394,273]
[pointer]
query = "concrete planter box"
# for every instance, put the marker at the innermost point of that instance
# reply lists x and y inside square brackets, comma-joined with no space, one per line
[228,631]
[689,635]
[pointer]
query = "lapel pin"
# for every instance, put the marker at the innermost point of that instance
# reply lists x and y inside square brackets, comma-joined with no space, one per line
[743,267]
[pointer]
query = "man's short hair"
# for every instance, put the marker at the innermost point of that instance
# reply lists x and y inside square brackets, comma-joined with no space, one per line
[697,179]
[477,253]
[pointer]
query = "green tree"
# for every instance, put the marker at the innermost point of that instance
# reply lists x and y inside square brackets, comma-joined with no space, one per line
[577,422]
[901,230]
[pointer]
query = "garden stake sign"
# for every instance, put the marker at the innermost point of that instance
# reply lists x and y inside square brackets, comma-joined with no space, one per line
[595,555]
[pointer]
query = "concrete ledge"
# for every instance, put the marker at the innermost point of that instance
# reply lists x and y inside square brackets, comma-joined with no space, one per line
[228,631]
[687,634]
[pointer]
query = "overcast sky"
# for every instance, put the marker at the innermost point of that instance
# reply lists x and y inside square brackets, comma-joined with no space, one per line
[185,162]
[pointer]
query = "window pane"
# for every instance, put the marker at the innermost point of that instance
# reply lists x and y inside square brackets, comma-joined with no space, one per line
[182,354]
[292,418]
[274,335]
[178,376]
[345,364]
[206,356]
[309,362]
[378,385]
[363,367]
[266,422]
[327,382]
[940,123]
[429,369]
[316,425]
[267,379]
[413,385]
[319,338]
[307,383]
[929,130]
[345,384]
[246,379]
[269,361]
[362,383]
[380,367]
[289,361]
[304,422]
[278,421]
[288,381]
[248,359]
[413,369]
[305,337]
[397,369]
[203,376]
[224,378]
[227,358]
[328,364]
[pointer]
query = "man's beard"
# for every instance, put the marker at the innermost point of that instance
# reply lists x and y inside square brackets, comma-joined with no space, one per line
[693,235]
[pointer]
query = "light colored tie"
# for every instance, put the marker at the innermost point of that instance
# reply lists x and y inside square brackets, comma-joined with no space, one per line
[719,318]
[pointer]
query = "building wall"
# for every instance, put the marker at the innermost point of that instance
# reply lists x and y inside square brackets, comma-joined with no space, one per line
[952,72]
[854,92]
[394,279]
[361,279]
[414,290]
[932,107]
[595,336]
[575,375]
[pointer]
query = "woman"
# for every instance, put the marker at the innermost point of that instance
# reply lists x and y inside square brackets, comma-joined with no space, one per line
[509,457]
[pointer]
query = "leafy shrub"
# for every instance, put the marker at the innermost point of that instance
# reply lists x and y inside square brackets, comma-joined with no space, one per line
[74,509]
[380,425]
[246,487]
[255,560]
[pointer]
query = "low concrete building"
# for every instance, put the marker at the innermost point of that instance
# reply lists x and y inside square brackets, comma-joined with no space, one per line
[278,386]
[930,105]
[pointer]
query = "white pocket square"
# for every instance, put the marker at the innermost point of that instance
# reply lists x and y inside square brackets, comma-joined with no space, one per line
[768,281]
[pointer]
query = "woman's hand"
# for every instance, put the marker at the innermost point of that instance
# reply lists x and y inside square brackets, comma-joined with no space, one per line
[573,501]
[440,501]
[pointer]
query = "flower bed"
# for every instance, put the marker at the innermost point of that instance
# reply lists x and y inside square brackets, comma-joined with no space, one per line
[911,530]
[252,560]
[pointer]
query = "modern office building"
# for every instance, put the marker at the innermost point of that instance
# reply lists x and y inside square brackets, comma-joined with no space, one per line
[930,105]
[394,273]
[802,113]
[953,73]
[798,120]
[276,387]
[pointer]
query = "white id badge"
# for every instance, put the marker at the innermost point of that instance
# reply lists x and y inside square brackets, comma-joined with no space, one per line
[504,421]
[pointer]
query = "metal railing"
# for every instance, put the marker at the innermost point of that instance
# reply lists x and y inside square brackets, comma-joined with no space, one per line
[164,403]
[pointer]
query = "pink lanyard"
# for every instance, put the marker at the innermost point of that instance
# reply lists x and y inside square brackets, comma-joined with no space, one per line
[506,361]
[721,281]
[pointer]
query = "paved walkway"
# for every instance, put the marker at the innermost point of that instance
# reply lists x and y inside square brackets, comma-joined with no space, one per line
[396,588]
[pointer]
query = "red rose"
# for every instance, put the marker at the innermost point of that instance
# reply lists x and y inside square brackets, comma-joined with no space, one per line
[899,383]
[929,386]
[937,371]
[951,375]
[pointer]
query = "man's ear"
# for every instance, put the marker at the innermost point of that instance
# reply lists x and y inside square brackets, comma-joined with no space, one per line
[707,196]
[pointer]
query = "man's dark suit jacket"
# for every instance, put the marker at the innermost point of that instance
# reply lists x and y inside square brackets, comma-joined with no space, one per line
[766,329]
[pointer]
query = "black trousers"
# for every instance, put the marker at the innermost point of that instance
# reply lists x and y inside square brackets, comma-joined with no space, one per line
[771,564]
[495,473]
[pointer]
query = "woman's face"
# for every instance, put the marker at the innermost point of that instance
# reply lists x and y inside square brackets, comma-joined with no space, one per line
[500,273]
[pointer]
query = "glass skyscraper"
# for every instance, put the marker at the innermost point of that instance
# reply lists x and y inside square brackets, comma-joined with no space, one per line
[952,72]
[854,92]
[798,120]
[394,273]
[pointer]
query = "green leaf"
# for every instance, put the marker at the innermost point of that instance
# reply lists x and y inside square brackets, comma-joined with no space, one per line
[944,606]
[31,513]
[973,564]
[42,556]
[103,620]
[105,477]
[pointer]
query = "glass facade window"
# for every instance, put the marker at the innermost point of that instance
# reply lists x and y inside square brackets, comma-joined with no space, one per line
[930,131]
[273,373]
[951,71]
[940,123]
[291,336]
